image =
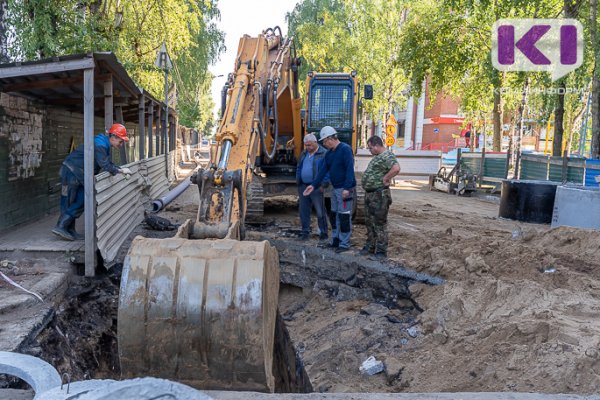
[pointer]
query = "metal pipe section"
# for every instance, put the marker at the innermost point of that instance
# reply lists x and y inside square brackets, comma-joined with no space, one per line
[162,202]
[225,150]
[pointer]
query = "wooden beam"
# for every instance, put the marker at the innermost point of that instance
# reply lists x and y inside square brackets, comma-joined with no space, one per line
[88,169]
[141,123]
[150,125]
[108,104]
[41,84]
[51,67]
[78,100]
[122,149]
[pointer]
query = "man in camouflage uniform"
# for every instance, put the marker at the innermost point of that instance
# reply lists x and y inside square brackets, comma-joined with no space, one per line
[376,182]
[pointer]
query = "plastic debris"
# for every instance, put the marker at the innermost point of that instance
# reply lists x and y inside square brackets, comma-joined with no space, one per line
[371,366]
[412,332]
[15,284]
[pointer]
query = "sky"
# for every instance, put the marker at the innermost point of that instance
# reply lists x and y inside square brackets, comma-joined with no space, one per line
[244,17]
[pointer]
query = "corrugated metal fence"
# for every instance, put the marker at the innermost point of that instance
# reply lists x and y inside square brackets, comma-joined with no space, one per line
[577,170]
[493,168]
[120,201]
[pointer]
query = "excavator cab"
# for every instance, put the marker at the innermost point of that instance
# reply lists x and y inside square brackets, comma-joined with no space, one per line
[332,100]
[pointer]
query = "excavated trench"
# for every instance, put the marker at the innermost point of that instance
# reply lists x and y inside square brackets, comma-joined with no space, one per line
[81,339]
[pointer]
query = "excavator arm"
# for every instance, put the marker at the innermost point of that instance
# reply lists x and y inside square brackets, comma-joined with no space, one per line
[200,308]
[249,127]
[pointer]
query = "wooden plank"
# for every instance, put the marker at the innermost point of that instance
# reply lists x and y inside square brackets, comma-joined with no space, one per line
[88,164]
[41,84]
[108,104]
[141,127]
[47,68]
[150,126]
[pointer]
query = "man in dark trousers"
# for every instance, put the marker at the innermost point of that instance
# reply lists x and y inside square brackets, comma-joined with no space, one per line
[311,160]
[71,175]
[376,182]
[339,164]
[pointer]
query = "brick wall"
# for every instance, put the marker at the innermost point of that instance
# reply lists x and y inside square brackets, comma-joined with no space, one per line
[34,140]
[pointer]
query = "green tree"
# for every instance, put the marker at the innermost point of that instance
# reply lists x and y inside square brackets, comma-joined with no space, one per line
[347,35]
[134,30]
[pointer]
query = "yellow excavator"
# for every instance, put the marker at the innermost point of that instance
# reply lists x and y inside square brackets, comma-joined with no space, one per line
[200,308]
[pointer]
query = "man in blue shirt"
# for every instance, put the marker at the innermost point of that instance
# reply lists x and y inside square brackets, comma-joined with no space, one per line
[339,164]
[71,175]
[311,161]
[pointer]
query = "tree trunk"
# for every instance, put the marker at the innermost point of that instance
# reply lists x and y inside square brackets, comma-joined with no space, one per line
[595,150]
[4,58]
[559,121]
[520,127]
[497,112]
[570,8]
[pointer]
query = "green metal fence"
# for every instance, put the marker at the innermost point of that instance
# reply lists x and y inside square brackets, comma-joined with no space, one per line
[545,168]
[494,166]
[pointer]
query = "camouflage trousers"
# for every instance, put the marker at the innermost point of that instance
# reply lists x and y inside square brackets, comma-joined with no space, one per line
[377,205]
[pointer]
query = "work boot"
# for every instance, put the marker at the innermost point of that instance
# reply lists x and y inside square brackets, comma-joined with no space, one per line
[379,256]
[323,240]
[365,251]
[303,236]
[333,245]
[342,249]
[61,228]
[73,232]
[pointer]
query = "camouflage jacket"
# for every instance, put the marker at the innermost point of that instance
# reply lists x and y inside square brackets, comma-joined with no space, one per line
[379,165]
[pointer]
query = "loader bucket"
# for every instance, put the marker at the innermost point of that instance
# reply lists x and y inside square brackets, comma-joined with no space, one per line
[201,312]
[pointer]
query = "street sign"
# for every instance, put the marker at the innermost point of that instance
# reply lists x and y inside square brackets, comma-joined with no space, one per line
[391,120]
[390,130]
[389,141]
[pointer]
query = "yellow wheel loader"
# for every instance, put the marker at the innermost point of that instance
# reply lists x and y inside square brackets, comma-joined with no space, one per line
[200,308]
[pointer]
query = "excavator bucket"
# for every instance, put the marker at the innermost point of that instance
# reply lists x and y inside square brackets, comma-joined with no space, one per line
[201,312]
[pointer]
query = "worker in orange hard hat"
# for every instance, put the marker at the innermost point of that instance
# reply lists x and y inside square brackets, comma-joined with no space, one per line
[71,175]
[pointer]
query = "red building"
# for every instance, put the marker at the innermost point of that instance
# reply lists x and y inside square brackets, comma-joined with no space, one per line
[427,126]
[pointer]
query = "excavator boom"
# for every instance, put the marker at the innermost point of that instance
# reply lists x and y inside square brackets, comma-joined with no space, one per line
[201,307]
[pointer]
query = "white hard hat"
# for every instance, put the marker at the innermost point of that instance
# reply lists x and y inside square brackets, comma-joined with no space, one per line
[310,138]
[326,131]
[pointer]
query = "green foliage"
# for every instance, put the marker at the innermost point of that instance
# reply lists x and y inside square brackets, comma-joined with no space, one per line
[347,35]
[134,30]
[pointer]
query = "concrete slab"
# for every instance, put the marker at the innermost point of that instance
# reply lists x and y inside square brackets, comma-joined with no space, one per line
[37,236]
[23,316]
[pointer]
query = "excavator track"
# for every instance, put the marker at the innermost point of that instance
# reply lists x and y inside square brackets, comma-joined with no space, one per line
[201,312]
[255,202]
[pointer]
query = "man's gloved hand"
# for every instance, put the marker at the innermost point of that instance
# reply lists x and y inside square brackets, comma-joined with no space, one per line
[126,171]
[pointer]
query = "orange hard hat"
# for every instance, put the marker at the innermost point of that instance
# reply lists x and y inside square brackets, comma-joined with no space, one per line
[119,131]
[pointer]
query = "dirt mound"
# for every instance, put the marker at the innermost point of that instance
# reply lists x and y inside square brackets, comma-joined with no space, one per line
[519,310]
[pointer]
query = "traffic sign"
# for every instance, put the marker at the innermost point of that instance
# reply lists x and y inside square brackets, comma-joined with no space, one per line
[390,130]
[389,141]
[391,120]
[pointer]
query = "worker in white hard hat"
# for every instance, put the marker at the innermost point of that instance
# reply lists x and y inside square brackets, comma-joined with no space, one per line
[339,164]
